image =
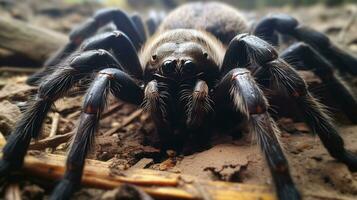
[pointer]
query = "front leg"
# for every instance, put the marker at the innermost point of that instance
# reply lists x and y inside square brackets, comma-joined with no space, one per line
[268,27]
[121,46]
[55,86]
[123,87]
[244,97]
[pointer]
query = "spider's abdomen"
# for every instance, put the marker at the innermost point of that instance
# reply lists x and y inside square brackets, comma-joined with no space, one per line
[219,19]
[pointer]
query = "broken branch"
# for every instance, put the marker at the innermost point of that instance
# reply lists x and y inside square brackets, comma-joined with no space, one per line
[33,42]
[51,142]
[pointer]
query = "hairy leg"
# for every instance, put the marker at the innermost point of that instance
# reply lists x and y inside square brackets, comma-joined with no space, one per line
[53,87]
[268,27]
[312,60]
[286,80]
[86,30]
[239,88]
[123,87]
[275,74]
[121,46]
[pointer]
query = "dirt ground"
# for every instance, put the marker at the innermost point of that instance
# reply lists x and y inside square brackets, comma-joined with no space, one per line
[316,174]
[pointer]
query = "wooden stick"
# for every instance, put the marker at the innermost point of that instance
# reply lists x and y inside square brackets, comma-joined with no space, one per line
[33,42]
[51,142]
[74,115]
[158,184]
[54,125]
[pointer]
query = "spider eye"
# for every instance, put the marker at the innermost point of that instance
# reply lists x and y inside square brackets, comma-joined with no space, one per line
[188,67]
[205,54]
[168,67]
[153,57]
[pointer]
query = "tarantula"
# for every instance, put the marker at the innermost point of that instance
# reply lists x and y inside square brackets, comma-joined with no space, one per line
[200,66]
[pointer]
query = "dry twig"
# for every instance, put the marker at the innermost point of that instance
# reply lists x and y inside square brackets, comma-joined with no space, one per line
[54,126]
[51,142]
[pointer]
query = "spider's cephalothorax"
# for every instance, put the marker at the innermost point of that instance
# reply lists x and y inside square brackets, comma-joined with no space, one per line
[198,67]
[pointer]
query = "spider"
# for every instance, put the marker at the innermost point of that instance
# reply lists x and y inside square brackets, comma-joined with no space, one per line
[200,70]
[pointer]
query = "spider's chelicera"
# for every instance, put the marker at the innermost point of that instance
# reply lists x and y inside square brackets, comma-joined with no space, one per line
[198,69]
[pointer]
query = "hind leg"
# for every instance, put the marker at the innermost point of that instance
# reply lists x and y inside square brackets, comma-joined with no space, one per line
[87,30]
[269,27]
[312,60]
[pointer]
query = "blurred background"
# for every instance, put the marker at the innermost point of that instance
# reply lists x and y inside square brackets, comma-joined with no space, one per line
[337,18]
[246,4]
[31,30]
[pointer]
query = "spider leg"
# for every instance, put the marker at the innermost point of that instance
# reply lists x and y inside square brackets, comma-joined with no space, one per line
[123,87]
[322,68]
[286,80]
[268,27]
[102,17]
[122,48]
[86,30]
[123,23]
[115,41]
[245,51]
[239,88]
[283,78]
[53,87]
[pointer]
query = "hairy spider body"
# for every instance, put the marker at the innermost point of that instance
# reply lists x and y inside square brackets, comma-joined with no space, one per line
[187,76]
[222,21]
